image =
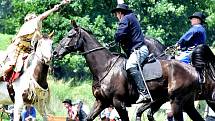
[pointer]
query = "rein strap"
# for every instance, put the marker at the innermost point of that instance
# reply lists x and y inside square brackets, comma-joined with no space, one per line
[92,50]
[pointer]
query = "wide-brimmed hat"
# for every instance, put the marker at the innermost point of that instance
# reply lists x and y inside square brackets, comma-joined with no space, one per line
[121,7]
[67,101]
[198,15]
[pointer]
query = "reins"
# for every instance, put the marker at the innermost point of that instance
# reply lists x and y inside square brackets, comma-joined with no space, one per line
[100,80]
[171,50]
[92,50]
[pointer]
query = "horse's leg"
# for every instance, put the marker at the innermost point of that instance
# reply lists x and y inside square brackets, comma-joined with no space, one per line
[96,110]
[189,108]
[41,108]
[176,106]
[121,109]
[18,105]
[154,107]
[140,110]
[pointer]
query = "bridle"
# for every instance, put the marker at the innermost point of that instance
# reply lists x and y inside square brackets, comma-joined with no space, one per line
[77,46]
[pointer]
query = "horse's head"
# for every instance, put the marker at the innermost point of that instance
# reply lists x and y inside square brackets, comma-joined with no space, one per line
[44,49]
[70,43]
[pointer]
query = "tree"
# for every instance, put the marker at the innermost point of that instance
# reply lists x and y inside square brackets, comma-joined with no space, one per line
[165,20]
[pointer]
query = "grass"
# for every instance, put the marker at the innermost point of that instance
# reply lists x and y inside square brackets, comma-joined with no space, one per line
[5,41]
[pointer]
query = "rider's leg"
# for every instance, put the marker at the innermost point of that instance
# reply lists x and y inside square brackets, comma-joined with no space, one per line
[135,74]
[132,67]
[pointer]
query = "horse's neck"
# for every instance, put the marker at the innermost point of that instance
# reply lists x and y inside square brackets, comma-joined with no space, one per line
[98,60]
[154,46]
[39,72]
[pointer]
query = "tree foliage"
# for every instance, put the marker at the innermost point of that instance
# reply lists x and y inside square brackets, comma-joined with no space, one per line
[165,20]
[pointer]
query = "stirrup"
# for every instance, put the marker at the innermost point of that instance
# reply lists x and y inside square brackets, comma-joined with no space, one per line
[143,97]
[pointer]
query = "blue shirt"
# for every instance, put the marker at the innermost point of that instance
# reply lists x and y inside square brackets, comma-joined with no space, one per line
[29,112]
[194,36]
[129,33]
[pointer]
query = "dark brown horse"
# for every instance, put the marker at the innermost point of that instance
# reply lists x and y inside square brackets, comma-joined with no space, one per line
[202,57]
[112,86]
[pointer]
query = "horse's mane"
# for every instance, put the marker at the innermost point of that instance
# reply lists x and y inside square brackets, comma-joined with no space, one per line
[202,56]
[156,42]
[88,31]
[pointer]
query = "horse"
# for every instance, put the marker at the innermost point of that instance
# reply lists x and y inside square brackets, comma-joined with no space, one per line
[202,57]
[32,86]
[112,86]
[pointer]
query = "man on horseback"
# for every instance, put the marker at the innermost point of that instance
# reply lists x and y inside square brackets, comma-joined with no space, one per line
[23,44]
[131,38]
[195,36]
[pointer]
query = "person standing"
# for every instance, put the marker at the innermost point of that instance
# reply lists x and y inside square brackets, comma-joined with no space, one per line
[29,113]
[129,35]
[70,113]
[79,111]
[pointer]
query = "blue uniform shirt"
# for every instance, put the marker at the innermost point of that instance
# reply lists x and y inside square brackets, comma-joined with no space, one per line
[194,36]
[129,33]
[29,112]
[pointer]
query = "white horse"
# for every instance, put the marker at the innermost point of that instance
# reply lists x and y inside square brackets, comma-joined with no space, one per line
[31,87]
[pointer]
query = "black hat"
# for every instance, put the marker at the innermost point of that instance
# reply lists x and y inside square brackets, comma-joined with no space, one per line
[198,15]
[121,7]
[68,101]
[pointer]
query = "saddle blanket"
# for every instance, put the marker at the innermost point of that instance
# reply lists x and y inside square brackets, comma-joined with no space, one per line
[152,70]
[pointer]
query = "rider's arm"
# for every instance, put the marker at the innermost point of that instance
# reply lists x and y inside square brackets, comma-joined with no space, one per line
[47,13]
[186,37]
[122,30]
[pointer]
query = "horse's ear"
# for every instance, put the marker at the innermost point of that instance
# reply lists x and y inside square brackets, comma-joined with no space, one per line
[73,22]
[51,34]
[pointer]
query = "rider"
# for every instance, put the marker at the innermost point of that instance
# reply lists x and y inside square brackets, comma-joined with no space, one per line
[23,42]
[131,38]
[195,36]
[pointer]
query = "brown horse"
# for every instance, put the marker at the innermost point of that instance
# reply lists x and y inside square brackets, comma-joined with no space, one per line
[112,85]
[202,57]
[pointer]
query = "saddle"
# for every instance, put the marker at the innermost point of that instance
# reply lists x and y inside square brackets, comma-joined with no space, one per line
[151,68]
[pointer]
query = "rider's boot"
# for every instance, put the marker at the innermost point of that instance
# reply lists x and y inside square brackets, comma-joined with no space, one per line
[201,78]
[136,75]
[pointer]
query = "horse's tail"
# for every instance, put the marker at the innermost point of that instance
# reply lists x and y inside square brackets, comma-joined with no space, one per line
[203,57]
